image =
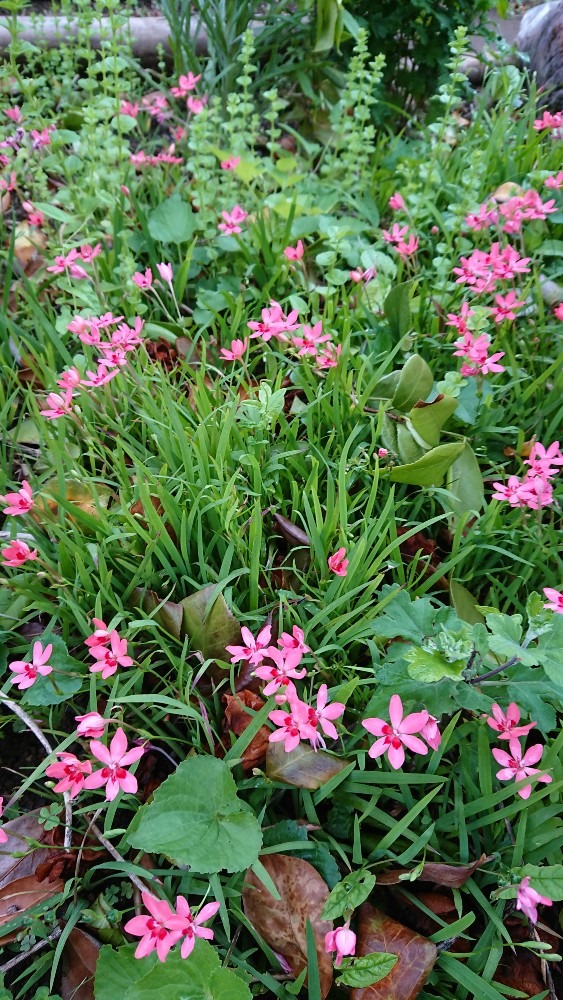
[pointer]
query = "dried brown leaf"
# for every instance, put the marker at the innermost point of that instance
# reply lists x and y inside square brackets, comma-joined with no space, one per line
[79,965]
[236,721]
[302,767]
[291,532]
[452,876]
[23,894]
[19,831]
[169,614]
[283,923]
[416,956]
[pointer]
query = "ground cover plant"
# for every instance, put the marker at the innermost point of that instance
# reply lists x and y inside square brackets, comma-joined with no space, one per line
[281,597]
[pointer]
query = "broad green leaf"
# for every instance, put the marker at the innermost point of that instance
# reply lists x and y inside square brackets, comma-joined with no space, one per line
[197,819]
[387,386]
[210,627]
[431,468]
[173,221]
[398,313]
[506,637]
[328,25]
[198,977]
[302,767]
[464,603]
[348,894]
[169,615]
[64,681]
[547,879]
[531,690]
[118,970]
[465,483]
[549,651]
[415,382]
[408,448]
[406,618]
[427,419]
[430,666]
[365,971]
[551,248]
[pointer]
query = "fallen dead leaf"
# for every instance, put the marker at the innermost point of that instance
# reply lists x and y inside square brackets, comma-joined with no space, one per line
[283,923]
[79,965]
[139,510]
[416,956]
[452,876]
[23,894]
[19,831]
[302,767]
[236,721]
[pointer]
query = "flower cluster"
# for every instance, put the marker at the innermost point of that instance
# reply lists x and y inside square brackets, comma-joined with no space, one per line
[67,263]
[549,122]
[164,927]
[512,213]
[142,159]
[483,268]
[74,775]
[475,348]
[515,764]
[393,737]
[301,721]
[108,649]
[405,243]
[534,489]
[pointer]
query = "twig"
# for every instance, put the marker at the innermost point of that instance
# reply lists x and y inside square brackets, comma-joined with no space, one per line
[116,856]
[545,970]
[33,728]
[498,670]
[12,962]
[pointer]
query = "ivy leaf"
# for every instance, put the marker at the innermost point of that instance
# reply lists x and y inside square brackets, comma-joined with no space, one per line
[198,977]
[367,970]
[549,651]
[431,469]
[505,639]
[209,624]
[430,666]
[197,819]
[353,890]
[547,879]
[65,680]
[406,618]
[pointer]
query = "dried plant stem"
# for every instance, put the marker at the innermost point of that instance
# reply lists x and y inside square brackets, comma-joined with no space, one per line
[116,856]
[23,955]
[33,728]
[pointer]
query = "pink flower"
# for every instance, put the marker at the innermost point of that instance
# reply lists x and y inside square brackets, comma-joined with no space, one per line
[189,927]
[109,659]
[185,84]
[431,733]
[516,766]
[342,941]
[485,217]
[409,248]
[295,253]
[323,715]
[71,771]
[558,311]
[63,264]
[238,349]
[328,358]
[255,649]
[549,121]
[34,216]
[3,834]
[70,378]
[286,661]
[165,271]
[26,673]
[294,725]
[43,138]
[338,562]
[14,114]
[554,600]
[89,253]
[232,220]
[311,337]
[196,104]
[115,760]
[382,452]
[92,725]
[154,930]
[527,900]
[555,181]
[127,108]
[545,461]
[101,636]
[230,164]
[505,305]
[274,323]
[397,202]
[507,725]
[294,640]
[393,738]
[100,376]
[396,235]
[20,502]
[17,553]
[57,405]
[143,280]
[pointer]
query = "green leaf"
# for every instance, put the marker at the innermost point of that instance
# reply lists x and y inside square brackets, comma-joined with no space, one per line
[406,618]
[398,313]
[431,468]
[464,603]
[198,977]
[169,615]
[551,248]
[549,651]
[197,819]
[408,448]
[117,970]
[531,690]
[506,636]
[52,212]
[65,680]
[415,382]
[430,666]
[427,419]
[209,626]
[173,221]
[465,483]
[367,970]
[353,890]
[547,879]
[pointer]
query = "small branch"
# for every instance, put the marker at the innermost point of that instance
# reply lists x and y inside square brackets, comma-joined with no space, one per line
[116,856]
[12,962]
[33,728]
[492,673]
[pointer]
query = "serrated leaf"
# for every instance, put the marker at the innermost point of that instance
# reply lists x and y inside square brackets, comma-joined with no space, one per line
[549,651]
[117,970]
[547,879]
[365,971]
[427,419]
[302,767]
[415,382]
[197,819]
[506,637]
[64,681]
[209,626]
[431,469]
[348,894]
[405,618]
[198,977]
[430,666]
[173,221]
[465,483]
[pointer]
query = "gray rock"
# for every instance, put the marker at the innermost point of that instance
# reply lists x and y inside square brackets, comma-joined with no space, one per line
[541,39]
